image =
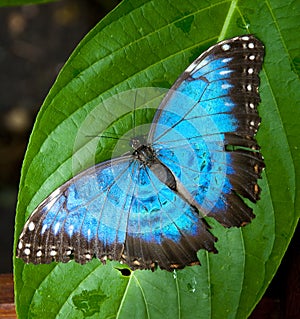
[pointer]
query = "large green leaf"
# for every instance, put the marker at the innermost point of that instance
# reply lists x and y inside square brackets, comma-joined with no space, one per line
[144,44]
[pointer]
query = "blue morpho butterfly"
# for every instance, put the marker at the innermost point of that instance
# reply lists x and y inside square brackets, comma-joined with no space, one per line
[199,159]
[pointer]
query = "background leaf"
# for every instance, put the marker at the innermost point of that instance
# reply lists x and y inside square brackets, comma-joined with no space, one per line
[5,3]
[144,44]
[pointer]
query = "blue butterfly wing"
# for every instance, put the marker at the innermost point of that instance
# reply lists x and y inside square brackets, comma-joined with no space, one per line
[73,222]
[117,210]
[204,130]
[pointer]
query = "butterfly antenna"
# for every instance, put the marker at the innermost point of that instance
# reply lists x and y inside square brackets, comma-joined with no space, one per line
[112,136]
[134,113]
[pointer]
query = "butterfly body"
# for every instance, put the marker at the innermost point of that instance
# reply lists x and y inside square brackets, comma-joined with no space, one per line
[147,208]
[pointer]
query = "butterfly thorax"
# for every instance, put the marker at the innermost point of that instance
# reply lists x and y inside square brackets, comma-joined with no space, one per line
[144,153]
[141,150]
[147,157]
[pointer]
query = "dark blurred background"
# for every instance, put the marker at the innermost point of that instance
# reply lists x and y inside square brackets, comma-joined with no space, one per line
[35,42]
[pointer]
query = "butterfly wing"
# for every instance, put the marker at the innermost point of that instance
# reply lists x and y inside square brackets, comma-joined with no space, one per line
[204,130]
[117,210]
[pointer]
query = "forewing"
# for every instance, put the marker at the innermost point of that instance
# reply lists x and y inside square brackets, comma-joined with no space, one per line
[204,129]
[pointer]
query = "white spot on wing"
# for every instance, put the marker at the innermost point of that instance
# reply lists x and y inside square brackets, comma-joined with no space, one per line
[20,245]
[245,38]
[251,45]
[53,253]
[249,87]
[31,226]
[27,251]
[225,47]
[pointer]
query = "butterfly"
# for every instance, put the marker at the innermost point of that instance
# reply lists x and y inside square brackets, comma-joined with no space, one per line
[148,208]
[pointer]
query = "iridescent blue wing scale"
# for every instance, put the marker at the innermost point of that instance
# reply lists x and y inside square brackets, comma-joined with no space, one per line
[116,210]
[204,130]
